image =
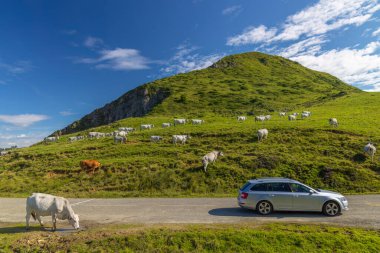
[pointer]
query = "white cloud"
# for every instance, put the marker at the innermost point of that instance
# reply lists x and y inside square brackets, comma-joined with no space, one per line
[376,32]
[22,120]
[16,68]
[360,67]
[318,19]
[253,35]
[309,46]
[232,10]
[93,42]
[186,59]
[67,113]
[21,140]
[118,59]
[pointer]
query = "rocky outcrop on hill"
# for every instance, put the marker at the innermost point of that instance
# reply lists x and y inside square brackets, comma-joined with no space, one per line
[135,103]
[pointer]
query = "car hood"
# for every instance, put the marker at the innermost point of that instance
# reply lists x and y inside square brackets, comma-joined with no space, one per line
[326,192]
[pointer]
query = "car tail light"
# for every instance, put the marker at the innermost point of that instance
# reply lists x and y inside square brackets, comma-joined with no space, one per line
[243,195]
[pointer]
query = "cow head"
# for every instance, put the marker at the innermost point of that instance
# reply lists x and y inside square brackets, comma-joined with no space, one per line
[74,221]
[221,153]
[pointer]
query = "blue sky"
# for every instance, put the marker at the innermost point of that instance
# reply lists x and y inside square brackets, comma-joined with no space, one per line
[59,60]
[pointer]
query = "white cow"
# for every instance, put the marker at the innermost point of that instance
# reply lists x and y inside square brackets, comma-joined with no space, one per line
[197,121]
[127,129]
[96,135]
[241,118]
[292,117]
[282,114]
[180,138]
[267,117]
[155,138]
[305,115]
[146,126]
[179,122]
[4,153]
[164,125]
[307,112]
[73,138]
[210,158]
[370,149]
[120,133]
[296,114]
[120,139]
[262,134]
[51,139]
[40,204]
[109,134]
[260,118]
[333,122]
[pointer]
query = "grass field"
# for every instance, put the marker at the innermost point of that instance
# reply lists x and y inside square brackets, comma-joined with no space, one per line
[196,238]
[308,150]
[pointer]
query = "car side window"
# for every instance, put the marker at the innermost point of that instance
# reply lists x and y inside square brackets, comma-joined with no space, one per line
[259,187]
[279,187]
[299,188]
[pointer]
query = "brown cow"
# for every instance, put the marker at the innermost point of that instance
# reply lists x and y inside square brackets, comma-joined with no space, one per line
[89,165]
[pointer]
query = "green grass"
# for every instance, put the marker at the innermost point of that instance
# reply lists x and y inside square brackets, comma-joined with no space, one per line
[308,150]
[198,238]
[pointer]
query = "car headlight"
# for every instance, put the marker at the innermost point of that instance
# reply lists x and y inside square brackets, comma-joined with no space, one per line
[342,199]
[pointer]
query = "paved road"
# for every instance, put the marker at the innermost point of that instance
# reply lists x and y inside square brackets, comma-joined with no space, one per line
[364,211]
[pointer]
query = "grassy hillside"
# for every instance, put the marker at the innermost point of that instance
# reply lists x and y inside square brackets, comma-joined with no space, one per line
[243,83]
[308,150]
[197,238]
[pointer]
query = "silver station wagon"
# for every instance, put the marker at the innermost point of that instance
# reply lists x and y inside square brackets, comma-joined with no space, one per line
[266,195]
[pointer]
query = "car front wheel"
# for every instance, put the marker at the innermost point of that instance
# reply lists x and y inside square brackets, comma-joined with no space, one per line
[331,208]
[264,207]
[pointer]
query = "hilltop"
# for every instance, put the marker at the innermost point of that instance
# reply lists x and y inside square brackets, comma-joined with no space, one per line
[237,84]
[308,150]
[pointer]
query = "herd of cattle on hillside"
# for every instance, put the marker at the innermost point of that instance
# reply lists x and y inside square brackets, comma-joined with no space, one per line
[40,204]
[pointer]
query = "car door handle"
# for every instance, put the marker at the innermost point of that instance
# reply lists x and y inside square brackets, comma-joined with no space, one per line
[272,195]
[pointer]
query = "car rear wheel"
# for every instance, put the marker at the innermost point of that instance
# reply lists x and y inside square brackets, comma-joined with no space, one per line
[331,208]
[264,207]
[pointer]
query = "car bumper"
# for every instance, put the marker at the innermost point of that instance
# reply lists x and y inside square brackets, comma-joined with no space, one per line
[344,205]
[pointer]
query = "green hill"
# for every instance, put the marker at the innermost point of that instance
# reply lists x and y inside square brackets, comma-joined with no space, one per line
[308,150]
[243,83]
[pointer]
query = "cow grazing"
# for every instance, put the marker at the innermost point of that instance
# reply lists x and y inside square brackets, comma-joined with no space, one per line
[2,153]
[179,122]
[96,135]
[89,165]
[40,204]
[262,134]
[267,117]
[333,122]
[73,138]
[307,112]
[282,114]
[127,129]
[120,133]
[296,114]
[180,138]
[241,118]
[155,138]
[146,126]
[164,125]
[197,121]
[305,115]
[260,118]
[292,117]
[210,158]
[370,149]
[120,139]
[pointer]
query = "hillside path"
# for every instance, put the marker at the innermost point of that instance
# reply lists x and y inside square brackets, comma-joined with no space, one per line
[364,211]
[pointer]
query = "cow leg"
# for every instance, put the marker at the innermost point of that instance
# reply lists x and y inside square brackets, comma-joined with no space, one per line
[54,221]
[39,220]
[27,218]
